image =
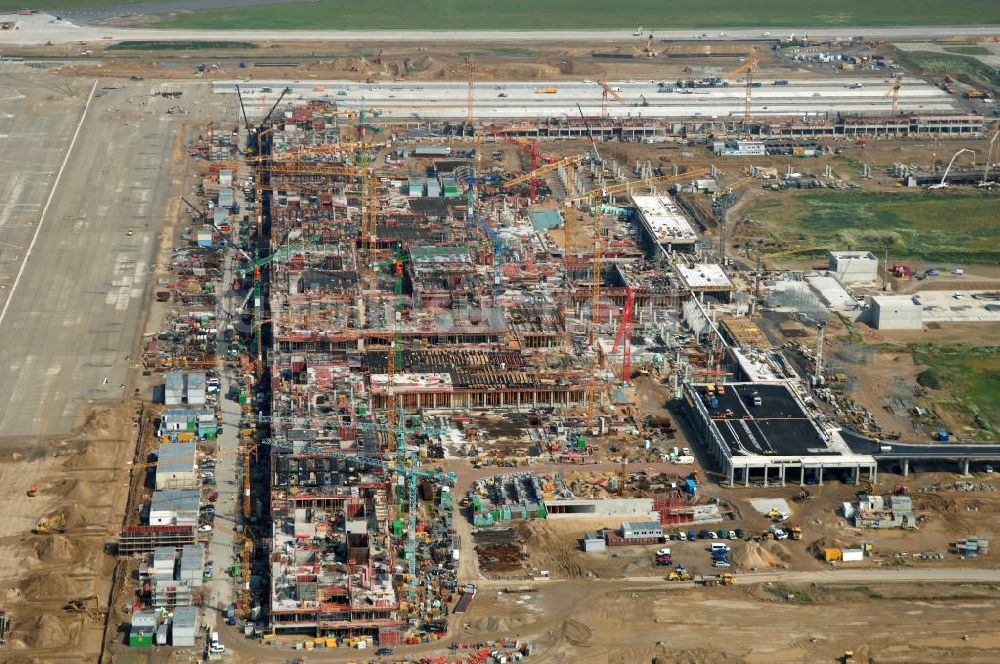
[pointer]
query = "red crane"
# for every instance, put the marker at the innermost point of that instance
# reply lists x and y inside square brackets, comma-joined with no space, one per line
[529,147]
[624,336]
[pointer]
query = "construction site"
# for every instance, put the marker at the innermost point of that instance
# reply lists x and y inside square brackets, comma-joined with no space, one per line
[433,356]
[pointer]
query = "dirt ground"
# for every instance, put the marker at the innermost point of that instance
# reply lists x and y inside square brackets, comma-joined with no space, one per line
[85,478]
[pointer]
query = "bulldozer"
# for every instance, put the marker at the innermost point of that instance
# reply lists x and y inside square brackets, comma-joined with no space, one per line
[681,575]
[48,524]
[804,494]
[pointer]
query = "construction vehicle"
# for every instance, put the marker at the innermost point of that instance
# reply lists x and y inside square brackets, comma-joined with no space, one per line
[975,93]
[88,605]
[795,532]
[679,573]
[724,579]
[545,91]
[804,494]
[774,514]
[901,490]
[33,491]
[48,524]
[901,270]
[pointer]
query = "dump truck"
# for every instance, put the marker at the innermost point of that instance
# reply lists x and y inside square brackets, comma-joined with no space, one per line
[468,592]
[545,91]
[725,579]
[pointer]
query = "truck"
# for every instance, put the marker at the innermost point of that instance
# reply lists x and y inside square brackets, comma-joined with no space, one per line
[724,579]
[231,614]
[468,592]
[545,91]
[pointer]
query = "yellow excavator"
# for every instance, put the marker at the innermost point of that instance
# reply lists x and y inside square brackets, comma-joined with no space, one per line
[48,524]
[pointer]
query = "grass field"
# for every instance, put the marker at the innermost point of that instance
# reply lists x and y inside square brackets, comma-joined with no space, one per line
[968,50]
[971,69]
[569,14]
[934,227]
[971,376]
[179,45]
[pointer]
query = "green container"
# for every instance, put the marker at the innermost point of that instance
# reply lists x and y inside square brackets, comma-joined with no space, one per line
[397,528]
[243,398]
[140,640]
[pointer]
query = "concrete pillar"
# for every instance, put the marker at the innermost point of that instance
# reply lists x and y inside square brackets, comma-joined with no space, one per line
[765,475]
[782,474]
[746,475]
[906,467]
[965,466]
[802,475]
[819,471]
[873,472]
[857,474]
[732,475]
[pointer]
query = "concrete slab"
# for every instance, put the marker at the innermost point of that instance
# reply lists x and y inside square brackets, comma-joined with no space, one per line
[765,505]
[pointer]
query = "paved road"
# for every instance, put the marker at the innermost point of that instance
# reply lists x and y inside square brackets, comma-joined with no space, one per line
[837,576]
[41,28]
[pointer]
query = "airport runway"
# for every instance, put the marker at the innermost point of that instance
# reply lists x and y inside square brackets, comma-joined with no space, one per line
[79,300]
[645,99]
[41,28]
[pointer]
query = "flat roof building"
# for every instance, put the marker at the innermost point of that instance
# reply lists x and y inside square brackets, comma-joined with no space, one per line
[761,434]
[853,267]
[895,312]
[664,223]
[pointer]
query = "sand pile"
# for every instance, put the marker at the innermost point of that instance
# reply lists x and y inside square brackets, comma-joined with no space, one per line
[55,549]
[46,631]
[45,586]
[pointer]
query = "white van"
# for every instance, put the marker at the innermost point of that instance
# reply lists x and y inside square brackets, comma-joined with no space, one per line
[719,546]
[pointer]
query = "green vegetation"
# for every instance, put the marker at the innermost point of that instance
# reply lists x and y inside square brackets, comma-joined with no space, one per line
[935,227]
[929,378]
[570,14]
[968,50]
[969,69]
[789,594]
[178,45]
[971,376]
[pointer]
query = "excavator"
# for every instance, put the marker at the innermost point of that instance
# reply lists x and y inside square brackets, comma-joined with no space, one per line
[88,606]
[48,524]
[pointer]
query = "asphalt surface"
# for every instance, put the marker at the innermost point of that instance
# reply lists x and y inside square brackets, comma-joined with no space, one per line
[41,28]
[79,302]
[77,305]
[640,99]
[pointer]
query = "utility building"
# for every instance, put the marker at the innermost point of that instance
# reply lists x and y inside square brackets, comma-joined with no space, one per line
[895,312]
[854,267]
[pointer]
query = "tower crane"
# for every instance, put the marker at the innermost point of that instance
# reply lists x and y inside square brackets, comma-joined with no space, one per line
[624,336]
[748,66]
[531,148]
[255,269]
[894,92]
[395,340]
[470,115]
[608,91]
[645,183]
[541,170]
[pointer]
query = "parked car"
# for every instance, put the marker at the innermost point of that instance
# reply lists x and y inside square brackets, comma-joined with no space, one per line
[206,528]
[703,534]
[663,552]
[217,649]
[721,563]
[384,651]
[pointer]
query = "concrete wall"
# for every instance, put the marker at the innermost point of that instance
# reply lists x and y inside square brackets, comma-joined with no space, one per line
[634,509]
